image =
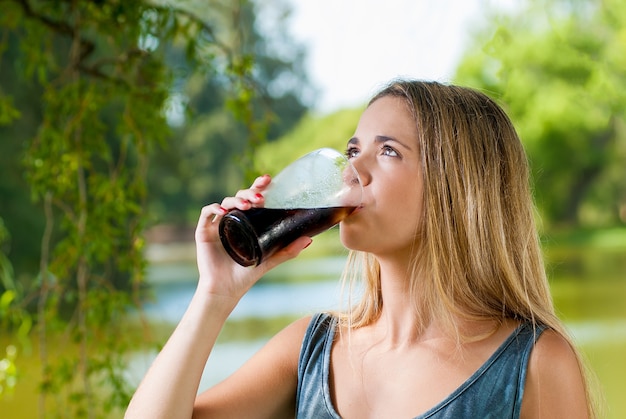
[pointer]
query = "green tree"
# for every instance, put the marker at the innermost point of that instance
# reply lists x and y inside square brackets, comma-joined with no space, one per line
[99,73]
[559,68]
[213,148]
[312,132]
[16,206]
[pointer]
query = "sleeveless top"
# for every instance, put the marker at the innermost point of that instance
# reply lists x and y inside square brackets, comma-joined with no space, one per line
[495,390]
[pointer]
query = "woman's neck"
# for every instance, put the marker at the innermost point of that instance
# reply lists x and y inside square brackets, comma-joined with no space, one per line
[400,321]
[405,318]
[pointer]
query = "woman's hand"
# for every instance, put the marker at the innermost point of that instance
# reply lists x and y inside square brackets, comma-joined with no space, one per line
[170,386]
[219,274]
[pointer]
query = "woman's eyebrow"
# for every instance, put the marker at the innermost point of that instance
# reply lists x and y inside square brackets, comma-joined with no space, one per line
[379,139]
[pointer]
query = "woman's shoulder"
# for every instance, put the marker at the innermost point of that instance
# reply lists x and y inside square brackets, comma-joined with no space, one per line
[298,330]
[553,357]
[309,327]
[555,382]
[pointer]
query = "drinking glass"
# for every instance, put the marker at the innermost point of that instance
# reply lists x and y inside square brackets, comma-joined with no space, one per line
[307,197]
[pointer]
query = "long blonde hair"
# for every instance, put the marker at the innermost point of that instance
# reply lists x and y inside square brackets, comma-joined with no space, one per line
[477,247]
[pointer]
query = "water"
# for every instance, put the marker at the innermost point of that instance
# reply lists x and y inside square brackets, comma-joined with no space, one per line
[262,301]
[593,311]
[174,285]
[589,290]
[588,285]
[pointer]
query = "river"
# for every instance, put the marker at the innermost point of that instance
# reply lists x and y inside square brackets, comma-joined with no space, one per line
[588,285]
[594,314]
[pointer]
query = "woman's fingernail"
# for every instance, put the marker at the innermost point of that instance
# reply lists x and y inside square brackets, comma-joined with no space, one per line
[311,241]
[258,196]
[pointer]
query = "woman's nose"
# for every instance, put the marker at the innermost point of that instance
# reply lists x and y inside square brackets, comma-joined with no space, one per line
[364,175]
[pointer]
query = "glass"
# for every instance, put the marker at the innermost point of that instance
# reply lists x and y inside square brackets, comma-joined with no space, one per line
[307,197]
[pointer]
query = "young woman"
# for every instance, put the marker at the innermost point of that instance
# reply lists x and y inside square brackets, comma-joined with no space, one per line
[456,319]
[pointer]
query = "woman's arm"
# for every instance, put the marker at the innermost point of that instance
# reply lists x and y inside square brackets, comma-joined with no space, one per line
[170,386]
[555,386]
[264,387]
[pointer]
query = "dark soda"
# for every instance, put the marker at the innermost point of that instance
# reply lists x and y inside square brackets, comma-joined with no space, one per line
[253,235]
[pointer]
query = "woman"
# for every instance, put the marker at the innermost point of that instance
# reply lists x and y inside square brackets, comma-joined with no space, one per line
[456,318]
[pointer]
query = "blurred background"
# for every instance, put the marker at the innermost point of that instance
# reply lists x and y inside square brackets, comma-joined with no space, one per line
[120,119]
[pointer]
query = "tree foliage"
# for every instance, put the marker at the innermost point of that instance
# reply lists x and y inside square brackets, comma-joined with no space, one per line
[101,77]
[212,150]
[559,68]
[312,132]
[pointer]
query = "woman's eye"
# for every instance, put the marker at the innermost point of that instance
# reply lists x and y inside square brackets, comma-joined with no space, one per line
[351,152]
[389,151]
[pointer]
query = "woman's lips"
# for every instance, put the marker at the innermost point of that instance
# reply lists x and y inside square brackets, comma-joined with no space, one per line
[355,210]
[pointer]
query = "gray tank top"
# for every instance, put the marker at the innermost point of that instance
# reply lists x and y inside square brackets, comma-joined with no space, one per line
[494,391]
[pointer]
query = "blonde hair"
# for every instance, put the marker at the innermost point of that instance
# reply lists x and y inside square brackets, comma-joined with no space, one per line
[477,246]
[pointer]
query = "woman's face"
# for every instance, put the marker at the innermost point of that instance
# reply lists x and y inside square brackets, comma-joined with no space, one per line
[384,150]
